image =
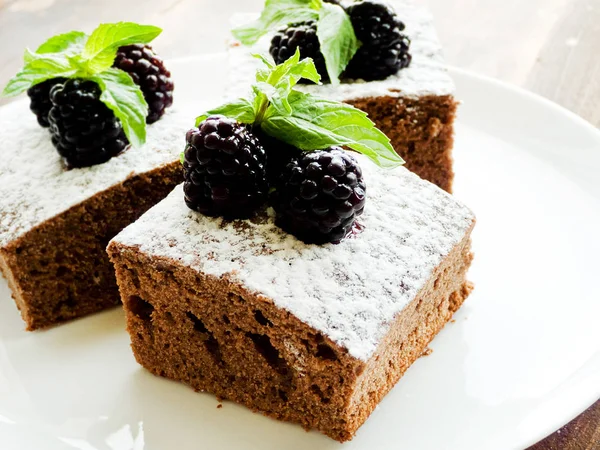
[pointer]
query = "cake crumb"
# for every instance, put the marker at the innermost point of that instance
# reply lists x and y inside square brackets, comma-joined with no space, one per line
[219,406]
[428,351]
[453,321]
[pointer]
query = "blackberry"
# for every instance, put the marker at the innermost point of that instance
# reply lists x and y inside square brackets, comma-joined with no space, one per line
[319,195]
[40,103]
[224,169]
[384,49]
[84,130]
[303,36]
[149,72]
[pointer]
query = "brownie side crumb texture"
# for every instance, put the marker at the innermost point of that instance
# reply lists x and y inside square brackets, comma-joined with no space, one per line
[214,335]
[59,270]
[421,131]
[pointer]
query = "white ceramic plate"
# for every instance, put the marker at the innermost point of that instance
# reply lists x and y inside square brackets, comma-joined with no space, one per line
[521,359]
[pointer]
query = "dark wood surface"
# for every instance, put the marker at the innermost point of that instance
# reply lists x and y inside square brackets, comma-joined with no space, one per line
[551,47]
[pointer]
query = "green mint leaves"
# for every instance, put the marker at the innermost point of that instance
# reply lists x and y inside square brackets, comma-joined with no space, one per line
[101,47]
[317,123]
[337,39]
[303,120]
[126,101]
[72,42]
[77,55]
[334,29]
[38,68]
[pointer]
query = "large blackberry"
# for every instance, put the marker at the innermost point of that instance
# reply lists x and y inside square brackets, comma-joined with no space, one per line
[224,169]
[319,195]
[40,103]
[384,49]
[149,72]
[303,36]
[84,131]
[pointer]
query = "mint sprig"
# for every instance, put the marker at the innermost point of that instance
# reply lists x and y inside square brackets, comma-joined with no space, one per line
[334,29]
[303,120]
[77,55]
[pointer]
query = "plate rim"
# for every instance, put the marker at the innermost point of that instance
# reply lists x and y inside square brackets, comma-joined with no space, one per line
[541,432]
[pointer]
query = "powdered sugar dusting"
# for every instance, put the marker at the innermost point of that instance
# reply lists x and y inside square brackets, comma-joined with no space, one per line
[351,292]
[426,75]
[35,185]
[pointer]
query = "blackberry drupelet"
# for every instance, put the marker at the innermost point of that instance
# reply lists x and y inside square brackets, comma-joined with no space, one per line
[224,169]
[40,103]
[303,36]
[384,50]
[319,195]
[84,130]
[149,72]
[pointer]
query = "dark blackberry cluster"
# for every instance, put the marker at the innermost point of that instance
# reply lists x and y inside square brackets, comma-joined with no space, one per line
[224,169]
[304,37]
[84,130]
[319,195]
[149,72]
[384,49]
[40,103]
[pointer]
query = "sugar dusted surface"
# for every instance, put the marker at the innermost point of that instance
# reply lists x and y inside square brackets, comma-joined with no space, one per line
[351,292]
[34,183]
[426,75]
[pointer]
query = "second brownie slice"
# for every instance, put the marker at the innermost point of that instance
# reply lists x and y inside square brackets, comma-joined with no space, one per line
[55,223]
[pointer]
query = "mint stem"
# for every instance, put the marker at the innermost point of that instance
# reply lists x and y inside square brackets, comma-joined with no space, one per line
[260,115]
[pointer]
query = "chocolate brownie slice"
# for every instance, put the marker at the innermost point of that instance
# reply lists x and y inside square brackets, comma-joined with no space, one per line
[311,334]
[55,223]
[415,108]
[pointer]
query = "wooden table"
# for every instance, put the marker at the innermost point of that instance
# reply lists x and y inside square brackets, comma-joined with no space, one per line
[548,46]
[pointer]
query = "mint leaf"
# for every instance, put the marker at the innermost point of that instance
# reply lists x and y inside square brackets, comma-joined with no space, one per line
[277,14]
[241,110]
[294,69]
[317,123]
[337,39]
[39,69]
[71,42]
[262,74]
[126,100]
[102,45]
[266,61]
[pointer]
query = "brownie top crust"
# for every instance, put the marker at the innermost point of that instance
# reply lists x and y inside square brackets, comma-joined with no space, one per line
[34,184]
[426,75]
[350,292]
